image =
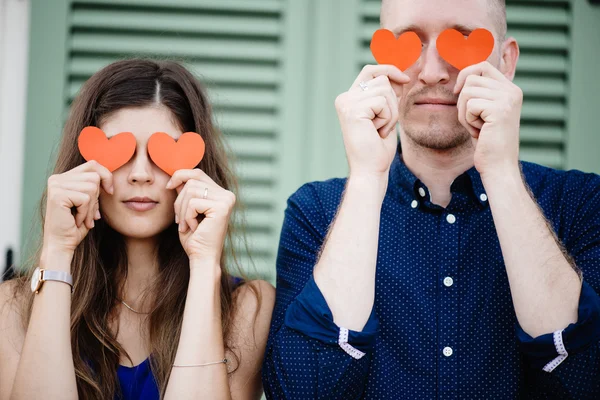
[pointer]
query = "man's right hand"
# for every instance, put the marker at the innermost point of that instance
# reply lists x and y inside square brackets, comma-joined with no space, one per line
[368,119]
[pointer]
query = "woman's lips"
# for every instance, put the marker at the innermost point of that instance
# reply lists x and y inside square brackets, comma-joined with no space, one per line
[140,206]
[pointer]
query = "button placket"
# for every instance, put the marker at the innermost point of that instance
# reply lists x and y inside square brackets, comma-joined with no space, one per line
[448,305]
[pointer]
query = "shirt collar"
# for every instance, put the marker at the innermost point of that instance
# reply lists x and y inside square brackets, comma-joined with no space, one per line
[404,184]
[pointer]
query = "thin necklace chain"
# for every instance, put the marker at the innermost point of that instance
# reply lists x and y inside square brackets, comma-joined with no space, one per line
[132,309]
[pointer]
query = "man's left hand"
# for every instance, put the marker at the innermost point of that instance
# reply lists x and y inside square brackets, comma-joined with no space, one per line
[489,107]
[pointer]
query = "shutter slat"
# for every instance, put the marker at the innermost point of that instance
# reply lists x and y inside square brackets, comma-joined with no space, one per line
[180,23]
[543,111]
[255,147]
[176,46]
[246,122]
[83,67]
[543,134]
[542,87]
[263,6]
[551,157]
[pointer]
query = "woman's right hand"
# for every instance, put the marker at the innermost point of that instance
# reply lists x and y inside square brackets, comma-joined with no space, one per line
[78,190]
[368,119]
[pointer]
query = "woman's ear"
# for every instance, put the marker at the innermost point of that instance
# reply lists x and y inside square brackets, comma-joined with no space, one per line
[510,56]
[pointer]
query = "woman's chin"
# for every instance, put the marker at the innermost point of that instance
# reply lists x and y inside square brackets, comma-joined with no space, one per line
[142,229]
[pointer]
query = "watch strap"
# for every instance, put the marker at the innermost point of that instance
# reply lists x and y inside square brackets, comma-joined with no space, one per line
[60,276]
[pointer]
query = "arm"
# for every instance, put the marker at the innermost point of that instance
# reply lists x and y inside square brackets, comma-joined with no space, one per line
[345,272]
[45,366]
[566,361]
[201,340]
[544,283]
[304,358]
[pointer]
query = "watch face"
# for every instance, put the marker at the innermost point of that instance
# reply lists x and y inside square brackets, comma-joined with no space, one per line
[35,280]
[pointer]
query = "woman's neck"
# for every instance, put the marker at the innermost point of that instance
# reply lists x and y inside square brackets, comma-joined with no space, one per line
[142,269]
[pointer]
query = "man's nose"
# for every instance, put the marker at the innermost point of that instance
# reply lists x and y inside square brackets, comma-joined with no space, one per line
[434,70]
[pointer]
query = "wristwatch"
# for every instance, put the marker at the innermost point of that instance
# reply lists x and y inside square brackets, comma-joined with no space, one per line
[42,275]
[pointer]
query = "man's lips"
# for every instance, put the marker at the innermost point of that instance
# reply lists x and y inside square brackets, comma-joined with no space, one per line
[435,102]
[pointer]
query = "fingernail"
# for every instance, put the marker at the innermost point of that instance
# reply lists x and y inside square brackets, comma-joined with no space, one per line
[181,226]
[98,216]
[93,224]
[168,184]
[176,219]
[111,189]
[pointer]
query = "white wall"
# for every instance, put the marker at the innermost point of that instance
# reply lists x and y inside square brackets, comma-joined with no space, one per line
[14,48]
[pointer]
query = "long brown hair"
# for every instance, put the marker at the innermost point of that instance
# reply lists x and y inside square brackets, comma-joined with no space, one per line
[99,265]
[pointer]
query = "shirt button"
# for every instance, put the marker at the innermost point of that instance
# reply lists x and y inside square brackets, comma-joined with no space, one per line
[414,204]
[448,351]
[451,218]
[448,281]
[483,197]
[422,192]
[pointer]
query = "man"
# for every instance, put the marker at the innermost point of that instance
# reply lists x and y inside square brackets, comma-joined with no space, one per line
[442,267]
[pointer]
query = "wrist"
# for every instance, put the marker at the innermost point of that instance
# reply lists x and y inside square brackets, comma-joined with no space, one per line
[502,178]
[56,259]
[366,184]
[209,270]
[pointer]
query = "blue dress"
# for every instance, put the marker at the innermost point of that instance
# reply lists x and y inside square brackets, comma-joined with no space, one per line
[137,383]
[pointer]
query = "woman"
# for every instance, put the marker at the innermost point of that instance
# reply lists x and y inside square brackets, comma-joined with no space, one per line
[152,311]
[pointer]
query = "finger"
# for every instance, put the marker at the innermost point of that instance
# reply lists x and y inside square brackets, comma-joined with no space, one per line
[89,188]
[476,109]
[484,69]
[106,177]
[177,205]
[97,214]
[469,93]
[192,193]
[197,207]
[184,175]
[377,110]
[373,71]
[481,81]
[81,202]
[385,125]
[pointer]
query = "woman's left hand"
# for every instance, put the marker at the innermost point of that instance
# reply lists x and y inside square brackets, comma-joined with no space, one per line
[198,195]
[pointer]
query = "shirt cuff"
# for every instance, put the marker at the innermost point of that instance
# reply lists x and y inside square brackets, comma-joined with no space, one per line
[548,351]
[310,315]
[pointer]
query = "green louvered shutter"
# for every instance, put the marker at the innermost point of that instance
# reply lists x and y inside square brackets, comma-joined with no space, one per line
[541,27]
[234,46]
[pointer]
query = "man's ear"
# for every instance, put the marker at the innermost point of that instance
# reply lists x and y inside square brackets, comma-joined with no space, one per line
[510,56]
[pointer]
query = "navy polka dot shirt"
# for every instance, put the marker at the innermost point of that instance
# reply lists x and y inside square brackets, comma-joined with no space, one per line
[443,324]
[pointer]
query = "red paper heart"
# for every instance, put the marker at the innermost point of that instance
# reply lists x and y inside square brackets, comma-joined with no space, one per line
[170,155]
[111,153]
[461,52]
[402,52]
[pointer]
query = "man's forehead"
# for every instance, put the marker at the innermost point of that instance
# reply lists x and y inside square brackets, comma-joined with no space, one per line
[416,15]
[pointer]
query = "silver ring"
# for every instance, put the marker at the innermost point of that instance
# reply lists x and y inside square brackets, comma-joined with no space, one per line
[205,193]
[363,85]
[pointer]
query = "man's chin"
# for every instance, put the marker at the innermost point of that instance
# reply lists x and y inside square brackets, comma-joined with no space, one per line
[437,136]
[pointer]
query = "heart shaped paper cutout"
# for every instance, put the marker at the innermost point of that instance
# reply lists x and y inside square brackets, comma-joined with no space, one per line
[402,52]
[111,153]
[170,155]
[461,52]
